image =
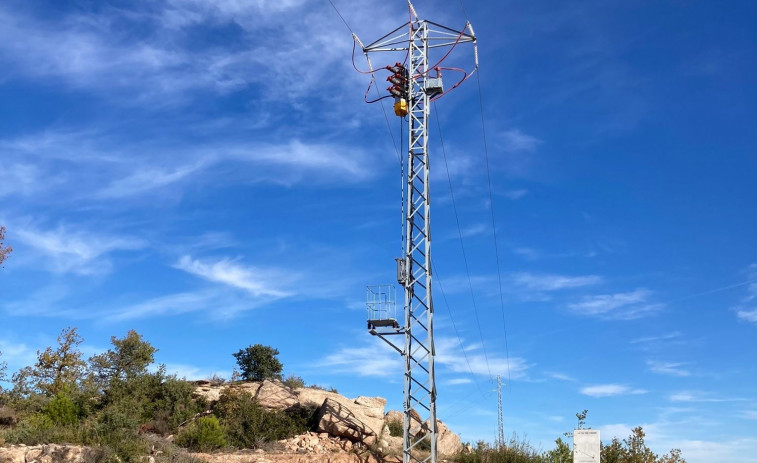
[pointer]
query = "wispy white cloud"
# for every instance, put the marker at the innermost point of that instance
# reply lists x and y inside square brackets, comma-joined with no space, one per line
[193,372]
[155,64]
[618,306]
[16,355]
[515,194]
[655,339]
[20,179]
[551,282]
[450,355]
[372,360]
[147,179]
[72,250]
[748,315]
[561,376]
[380,360]
[747,311]
[528,253]
[668,368]
[213,304]
[701,396]
[609,390]
[458,381]
[260,282]
[514,140]
[738,450]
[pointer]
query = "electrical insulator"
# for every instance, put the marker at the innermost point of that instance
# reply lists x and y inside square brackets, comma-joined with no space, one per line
[397,91]
[397,68]
[396,79]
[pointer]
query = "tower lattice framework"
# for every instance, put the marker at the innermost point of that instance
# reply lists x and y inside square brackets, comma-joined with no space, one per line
[417,38]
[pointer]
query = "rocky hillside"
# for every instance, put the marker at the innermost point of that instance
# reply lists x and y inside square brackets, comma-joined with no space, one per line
[362,420]
[346,430]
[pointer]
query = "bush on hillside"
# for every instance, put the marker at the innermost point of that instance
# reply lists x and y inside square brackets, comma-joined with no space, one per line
[259,362]
[514,451]
[249,425]
[62,410]
[203,435]
[395,428]
[294,382]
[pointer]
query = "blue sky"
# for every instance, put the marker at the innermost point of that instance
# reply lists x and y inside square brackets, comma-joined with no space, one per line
[207,173]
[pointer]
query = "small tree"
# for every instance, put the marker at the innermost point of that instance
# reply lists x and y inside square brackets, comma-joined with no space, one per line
[128,359]
[612,453]
[259,362]
[5,251]
[582,418]
[561,453]
[56,370]
[636,450]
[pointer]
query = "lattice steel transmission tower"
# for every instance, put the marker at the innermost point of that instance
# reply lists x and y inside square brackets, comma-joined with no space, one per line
[500,425]
[413,89]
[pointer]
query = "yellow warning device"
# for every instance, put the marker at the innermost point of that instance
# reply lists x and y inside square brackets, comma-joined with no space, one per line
[400,107]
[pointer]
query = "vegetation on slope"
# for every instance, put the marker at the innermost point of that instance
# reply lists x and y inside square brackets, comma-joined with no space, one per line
[115,402]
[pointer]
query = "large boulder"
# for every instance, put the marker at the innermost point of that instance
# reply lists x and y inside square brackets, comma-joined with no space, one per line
[310,396]
[360,420]
[394,415]
[271,394]
[447,442]
[274,395]
[208,391]
[47,453]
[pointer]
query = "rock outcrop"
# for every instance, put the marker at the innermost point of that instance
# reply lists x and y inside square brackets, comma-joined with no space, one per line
[351,420]
[447,442]
[359,420]
[48,453]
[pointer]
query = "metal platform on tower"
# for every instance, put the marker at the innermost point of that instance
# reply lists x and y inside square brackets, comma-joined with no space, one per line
[381,302]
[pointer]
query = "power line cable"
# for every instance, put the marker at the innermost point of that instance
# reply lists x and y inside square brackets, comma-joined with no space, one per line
[494,227]
[342,17]
[491,208]
[462,245]
[438,281]
[465,13]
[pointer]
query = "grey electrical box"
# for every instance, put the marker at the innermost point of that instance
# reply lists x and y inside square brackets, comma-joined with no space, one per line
[401,271]
[433,86]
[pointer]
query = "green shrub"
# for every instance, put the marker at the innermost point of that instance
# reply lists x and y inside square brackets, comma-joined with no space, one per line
[294,382]
[395,428]
[62,410]
[323,388]
[514,451]
[7,416]
[116,427]
[203,435]
[163,401]
[250,426]
[33,429]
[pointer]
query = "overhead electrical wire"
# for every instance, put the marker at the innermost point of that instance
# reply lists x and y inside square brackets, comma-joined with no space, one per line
[454,325]
[494,228]
[342,17]
[462,245]
[491,208]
